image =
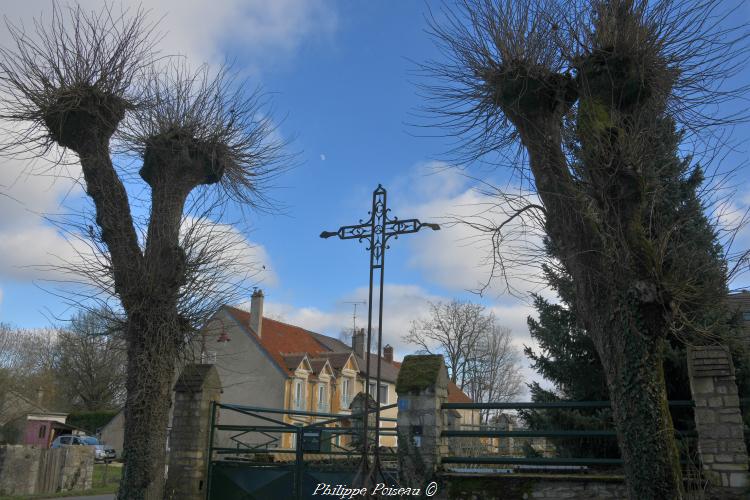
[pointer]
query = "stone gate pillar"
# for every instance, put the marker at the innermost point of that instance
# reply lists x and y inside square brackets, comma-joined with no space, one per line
[196,388]
[718,420]
[422,388]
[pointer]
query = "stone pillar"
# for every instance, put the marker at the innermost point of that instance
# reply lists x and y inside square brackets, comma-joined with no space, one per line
[196,388]
[422,388]
[357,407]
[718,420]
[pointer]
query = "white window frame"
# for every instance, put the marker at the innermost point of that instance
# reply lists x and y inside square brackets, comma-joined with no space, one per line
[299,394]
[322,396]
[345,389]
[371,392]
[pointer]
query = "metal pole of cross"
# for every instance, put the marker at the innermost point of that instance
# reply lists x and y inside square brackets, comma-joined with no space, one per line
[376,231]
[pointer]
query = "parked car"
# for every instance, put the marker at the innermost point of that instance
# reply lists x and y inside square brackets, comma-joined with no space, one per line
[102,452]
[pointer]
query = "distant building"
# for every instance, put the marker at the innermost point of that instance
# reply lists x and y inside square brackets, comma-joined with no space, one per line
[516,447]
[268,363]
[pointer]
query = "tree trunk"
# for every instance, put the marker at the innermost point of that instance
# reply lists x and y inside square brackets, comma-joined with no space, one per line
[628,330]
[632,356]
[151,363]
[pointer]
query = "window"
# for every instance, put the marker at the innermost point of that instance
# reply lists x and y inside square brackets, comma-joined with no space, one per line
[345,399]
[42,431]
[383,393]
[322,405]
[66,440]
[299,395]
[208,357]
[746,315]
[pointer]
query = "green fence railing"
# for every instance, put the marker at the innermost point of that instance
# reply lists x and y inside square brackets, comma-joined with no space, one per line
[542,433]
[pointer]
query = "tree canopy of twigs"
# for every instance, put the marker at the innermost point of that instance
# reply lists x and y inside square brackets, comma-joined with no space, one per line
[90,362]
[88,87]
[478,351]
[582,97]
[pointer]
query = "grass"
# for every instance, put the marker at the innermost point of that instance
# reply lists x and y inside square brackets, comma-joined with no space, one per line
[100,486]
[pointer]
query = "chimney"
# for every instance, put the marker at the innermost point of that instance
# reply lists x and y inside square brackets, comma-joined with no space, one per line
[39,396]
[256,311]
[388,353]
[358,343]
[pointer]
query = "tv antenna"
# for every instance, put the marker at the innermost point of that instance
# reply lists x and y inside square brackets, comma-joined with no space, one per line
[354,314]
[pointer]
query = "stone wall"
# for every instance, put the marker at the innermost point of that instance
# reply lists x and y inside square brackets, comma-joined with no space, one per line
[28,470]
[532,486]
[197,387]
[718,420]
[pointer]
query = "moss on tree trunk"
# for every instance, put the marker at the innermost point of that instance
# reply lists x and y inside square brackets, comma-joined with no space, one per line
[633,361]
[151,364]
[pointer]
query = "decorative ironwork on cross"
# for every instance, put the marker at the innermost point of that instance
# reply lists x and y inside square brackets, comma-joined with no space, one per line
[376,231]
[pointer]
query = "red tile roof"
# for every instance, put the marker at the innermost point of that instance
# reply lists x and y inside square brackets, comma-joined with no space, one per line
[456,395]
[278,338]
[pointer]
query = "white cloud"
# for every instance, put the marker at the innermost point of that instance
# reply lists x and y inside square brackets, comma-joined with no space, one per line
[323,157]
[240,259]
[459,257]
[28,192]
[267,32]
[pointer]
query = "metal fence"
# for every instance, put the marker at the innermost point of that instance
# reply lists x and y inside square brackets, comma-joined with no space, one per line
[488,449]
[251,458]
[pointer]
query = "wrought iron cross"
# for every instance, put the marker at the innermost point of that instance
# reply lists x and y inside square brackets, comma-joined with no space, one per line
[377,230]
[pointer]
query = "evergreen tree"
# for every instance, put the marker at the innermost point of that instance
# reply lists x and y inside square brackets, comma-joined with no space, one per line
[567,356]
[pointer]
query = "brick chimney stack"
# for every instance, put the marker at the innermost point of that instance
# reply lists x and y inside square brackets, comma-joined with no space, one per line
[358,343]
[256,311]
[388,353]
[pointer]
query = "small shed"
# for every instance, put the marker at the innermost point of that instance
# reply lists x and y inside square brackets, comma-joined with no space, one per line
[43,428]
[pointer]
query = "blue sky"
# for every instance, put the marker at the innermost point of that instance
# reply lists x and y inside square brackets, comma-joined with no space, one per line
[340,76]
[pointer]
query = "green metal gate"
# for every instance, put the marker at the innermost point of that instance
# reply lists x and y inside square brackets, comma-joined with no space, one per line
[249,461]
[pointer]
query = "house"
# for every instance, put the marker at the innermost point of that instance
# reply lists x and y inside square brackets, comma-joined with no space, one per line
[267,363]
[113,432]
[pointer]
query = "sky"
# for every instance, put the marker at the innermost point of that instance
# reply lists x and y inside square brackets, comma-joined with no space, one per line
[341,77]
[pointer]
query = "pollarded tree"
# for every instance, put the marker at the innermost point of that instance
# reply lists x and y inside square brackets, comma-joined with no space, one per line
[588,91]
[73,85]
